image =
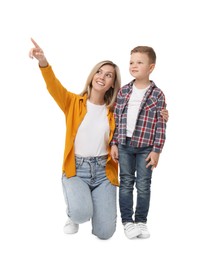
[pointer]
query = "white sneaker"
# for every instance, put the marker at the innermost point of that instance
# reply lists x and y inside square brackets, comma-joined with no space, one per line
[70,227]
[131,230]
[144,230]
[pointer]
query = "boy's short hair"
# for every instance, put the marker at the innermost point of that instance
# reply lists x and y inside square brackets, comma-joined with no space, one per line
[146,49]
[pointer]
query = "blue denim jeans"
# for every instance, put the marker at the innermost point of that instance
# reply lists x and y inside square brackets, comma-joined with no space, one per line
[133,172]
[90,195]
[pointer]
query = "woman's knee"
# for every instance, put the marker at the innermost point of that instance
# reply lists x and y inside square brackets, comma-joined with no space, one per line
[104,232]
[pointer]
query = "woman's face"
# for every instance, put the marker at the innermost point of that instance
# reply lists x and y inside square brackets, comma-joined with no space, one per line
[103,79]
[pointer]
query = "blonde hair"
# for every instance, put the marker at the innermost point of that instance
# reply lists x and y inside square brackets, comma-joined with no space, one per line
[147,50]
[111,94]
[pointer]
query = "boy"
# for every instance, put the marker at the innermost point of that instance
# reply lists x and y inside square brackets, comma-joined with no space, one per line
[138,139]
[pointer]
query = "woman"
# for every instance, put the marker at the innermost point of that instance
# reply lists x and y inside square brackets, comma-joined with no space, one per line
[90,176]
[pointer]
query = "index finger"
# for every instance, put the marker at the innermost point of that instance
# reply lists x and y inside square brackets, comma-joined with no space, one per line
[34,42]
[148,165]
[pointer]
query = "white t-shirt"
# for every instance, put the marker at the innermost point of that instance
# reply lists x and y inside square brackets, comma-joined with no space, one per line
[133,108]
[93,133]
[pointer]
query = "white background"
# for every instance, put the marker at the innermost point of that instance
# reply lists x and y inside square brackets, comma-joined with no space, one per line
[75,35]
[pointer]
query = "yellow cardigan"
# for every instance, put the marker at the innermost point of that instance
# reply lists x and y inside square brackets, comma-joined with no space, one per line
[74,108]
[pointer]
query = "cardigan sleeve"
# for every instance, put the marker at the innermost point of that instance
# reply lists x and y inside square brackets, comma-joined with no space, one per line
[60,94]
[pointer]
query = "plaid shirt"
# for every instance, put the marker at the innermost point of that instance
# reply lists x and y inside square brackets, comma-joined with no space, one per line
[150,126]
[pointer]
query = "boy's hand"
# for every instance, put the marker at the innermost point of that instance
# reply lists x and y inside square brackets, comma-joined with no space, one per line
[114,153]
[153,159]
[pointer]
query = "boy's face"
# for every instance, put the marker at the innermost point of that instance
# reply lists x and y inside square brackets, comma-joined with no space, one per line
[140,66]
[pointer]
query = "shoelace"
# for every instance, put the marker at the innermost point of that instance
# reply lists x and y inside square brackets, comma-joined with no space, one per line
[129,227]
[70,222]
[142,226]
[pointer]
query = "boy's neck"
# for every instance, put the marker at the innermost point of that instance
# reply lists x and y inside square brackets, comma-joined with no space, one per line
[142,83]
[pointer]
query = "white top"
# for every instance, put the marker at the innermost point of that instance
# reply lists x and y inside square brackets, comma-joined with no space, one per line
[93,133]
[133,108]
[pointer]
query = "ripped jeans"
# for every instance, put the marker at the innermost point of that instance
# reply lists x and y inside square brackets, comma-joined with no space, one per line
[90,196]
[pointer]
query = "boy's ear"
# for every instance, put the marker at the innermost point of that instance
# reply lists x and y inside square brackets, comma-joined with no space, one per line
[152,66]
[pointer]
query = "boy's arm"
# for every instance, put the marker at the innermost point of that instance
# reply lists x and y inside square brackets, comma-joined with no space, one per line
[160,135]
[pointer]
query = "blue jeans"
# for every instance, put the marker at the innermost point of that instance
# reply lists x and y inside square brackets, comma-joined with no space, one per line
[90,195]
[133,171]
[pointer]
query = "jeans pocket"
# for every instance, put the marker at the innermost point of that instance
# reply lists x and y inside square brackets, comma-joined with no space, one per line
[102,162]
[78,162]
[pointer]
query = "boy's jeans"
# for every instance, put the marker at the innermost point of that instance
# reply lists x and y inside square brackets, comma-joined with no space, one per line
[90,195]
[133,171]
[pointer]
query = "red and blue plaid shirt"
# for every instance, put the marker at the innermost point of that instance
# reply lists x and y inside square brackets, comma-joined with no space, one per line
[150,126]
